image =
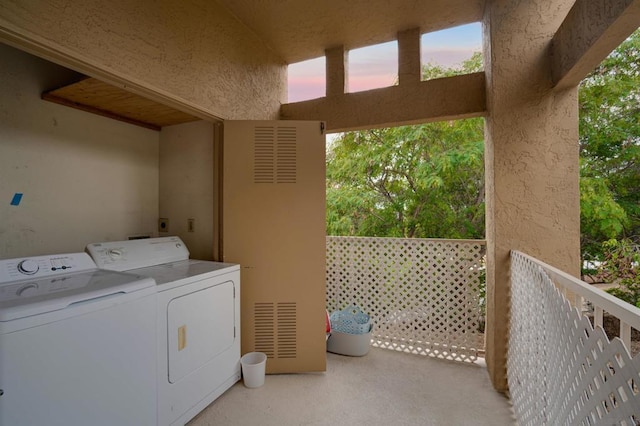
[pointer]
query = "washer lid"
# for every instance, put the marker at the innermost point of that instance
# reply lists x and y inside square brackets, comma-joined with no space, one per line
[20,299]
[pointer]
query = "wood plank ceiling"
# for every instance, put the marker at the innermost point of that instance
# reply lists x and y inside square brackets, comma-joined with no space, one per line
[100,98]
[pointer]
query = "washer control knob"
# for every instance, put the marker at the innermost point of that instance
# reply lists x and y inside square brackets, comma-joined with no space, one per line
[27,290]
[114,253]
[28,267]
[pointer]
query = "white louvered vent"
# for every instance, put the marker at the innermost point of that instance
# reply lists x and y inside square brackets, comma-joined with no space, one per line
[276,329]
[275,155]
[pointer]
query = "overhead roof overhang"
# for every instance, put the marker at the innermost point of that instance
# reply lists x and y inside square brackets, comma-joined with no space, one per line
[298,30]
[295,30]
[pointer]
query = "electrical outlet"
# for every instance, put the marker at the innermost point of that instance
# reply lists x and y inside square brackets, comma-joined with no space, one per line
[191,224]
[163,224]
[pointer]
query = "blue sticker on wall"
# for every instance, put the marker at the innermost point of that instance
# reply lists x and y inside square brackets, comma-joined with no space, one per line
[17,197]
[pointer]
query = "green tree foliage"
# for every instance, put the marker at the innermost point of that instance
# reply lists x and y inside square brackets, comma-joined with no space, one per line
[410,181]
[620,265]
[433,71]
[609,103]
[427,181]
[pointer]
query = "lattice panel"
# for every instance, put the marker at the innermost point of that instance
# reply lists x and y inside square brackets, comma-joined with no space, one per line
[423,296]
[560,370]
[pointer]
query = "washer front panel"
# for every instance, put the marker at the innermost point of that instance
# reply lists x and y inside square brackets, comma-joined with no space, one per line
[95,367]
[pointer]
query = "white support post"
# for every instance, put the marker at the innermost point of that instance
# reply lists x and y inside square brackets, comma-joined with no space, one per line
[625,334]
[578,302]
[597,317]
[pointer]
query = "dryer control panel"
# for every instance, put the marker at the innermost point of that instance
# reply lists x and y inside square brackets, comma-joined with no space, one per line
[133,254]
[43,266]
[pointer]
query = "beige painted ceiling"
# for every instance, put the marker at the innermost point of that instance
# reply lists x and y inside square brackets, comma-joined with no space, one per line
[298,30]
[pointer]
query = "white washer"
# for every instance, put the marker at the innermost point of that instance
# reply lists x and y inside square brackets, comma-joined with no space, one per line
[198,321]
[77,344]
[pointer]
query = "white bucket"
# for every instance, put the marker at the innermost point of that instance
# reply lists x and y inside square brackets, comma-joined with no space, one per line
[253,368]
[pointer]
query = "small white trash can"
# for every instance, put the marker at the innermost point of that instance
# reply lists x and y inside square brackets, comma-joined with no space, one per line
[253,369]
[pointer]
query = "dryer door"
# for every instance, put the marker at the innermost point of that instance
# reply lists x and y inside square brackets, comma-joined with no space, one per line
[200,326]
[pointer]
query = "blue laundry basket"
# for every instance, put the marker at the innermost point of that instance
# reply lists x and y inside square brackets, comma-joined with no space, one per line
[350,320]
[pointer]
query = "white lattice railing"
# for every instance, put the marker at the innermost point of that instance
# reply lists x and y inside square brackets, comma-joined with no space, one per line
[423,295]
[560,370]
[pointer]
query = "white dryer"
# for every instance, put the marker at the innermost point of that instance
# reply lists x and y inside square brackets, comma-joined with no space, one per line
[77,344]
[198,321]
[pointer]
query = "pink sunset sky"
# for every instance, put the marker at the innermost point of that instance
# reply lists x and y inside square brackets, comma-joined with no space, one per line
[377,66]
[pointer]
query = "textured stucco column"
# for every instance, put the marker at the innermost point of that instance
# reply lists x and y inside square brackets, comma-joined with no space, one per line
[531,158]
[409,71]
[337,64]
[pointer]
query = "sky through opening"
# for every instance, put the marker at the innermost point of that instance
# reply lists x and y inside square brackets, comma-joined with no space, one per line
[377,66]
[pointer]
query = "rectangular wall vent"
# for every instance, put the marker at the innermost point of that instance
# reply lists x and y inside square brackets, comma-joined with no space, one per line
[264,155]
[275,156]
[286,155]
[276,329]
[287,330]
[264,314]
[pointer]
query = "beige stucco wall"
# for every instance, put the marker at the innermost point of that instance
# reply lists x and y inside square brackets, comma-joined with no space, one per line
[531,157]
[590,32]
[187,185]
[193,53]
[84,178]
[411,101]
[441,99]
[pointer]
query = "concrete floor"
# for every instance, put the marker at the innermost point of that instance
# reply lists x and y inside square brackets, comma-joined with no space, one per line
[382,388]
